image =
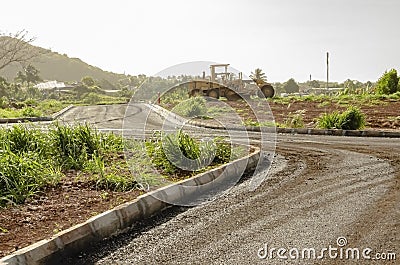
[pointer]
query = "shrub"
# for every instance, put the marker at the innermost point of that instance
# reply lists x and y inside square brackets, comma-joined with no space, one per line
[25,164]
[179,151]
[91,98]
[20,139]
[388,83]
[295,120]
[329,120]
[351,119]
[22,176]
[31,112]
[74,145]
[31,159]
[195,106]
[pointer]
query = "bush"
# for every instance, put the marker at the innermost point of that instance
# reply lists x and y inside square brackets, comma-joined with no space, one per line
[31,112]
[174,152]
[195,106]
[74,145]
[25,164]
[388,83]
[91,98]
[329,120]
[351,119]
[19,139]
[22,176]
[295,120]
[32,159]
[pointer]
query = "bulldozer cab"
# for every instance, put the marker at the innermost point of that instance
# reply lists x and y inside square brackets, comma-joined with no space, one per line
[223,76]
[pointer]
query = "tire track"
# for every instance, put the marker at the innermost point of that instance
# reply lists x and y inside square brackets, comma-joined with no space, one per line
[326,188]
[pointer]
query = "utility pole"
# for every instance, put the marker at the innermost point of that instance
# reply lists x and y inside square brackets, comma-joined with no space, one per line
[327,70]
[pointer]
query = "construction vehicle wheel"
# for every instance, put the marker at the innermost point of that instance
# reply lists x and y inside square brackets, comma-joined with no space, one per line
[195,92]
[232,96]
[213,93]
[268,91]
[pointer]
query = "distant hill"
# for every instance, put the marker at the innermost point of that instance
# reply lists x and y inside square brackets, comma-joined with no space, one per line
[55,66]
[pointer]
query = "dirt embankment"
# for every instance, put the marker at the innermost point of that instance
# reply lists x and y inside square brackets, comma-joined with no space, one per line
[384,114]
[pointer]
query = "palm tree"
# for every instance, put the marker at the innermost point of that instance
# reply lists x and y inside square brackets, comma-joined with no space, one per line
[258,76]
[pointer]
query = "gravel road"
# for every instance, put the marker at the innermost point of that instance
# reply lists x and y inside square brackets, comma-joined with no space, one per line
[319,188]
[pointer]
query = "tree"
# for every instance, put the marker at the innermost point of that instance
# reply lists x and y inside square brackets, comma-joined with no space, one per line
[30,75]
[16,48]
[258,76]
[388,83]
[3,87]
[291,86]
[88,81]
[313,84]
[349,84]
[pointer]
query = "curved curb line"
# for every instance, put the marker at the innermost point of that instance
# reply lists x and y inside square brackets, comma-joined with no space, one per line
[112,222]
[36,119]
[61,112]
[172,117]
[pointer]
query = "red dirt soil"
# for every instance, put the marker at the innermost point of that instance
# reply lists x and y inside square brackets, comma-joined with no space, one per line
[61,207]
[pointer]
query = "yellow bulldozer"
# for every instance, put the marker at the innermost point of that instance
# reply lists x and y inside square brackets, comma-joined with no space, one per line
[228,85]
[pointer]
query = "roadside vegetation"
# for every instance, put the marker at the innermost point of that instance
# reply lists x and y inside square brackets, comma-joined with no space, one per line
[179,153]
[33,160]
[351,119]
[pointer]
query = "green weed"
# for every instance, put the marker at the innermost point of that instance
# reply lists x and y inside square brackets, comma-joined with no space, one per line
[351,119]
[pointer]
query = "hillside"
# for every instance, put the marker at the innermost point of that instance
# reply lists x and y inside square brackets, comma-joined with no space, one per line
[54,66]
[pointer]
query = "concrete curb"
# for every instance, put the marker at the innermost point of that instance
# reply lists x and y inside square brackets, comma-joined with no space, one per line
[309,131]
[112,222]
[36,119]
[61,112]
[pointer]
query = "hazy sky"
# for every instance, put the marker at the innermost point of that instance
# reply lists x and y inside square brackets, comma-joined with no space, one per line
[286,38]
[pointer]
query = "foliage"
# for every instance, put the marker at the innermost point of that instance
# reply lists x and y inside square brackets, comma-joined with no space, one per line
[258,76]
[175,96]
[192,107]
[351,119]
[23,175]
[88,81]
[114,175]
[32,159]
[295,120]
[174,152]
[388,83]
[314,84]
[25,166]
[291,86]
[91,98]
[30,75]
[250,122]
[152,86]
[75,145]
[31,112]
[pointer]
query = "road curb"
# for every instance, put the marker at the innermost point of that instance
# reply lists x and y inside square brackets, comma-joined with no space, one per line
[172,117]
[36,119]
[61,112]
[111,222]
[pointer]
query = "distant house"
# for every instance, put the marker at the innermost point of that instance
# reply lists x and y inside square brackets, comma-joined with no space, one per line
[52,85]
[325,91]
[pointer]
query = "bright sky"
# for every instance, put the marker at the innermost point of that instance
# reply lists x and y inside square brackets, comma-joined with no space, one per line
[286,38]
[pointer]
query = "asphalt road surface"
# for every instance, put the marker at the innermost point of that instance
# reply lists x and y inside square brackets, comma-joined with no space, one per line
[338,196]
